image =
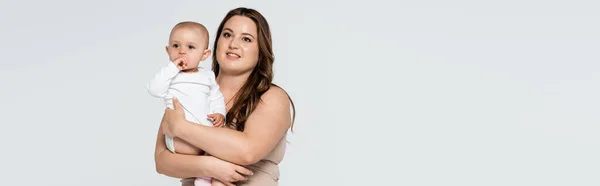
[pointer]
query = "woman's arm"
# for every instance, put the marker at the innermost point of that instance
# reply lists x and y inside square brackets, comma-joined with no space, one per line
[185,166]
[176,165]
[264,129]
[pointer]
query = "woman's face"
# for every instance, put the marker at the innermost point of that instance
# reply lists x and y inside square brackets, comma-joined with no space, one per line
[237,48]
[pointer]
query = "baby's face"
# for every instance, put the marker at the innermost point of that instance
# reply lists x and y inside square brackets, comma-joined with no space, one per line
[188,43]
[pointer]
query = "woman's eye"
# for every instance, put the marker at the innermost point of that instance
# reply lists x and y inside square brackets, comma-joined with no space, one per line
[247,39]
[226,34]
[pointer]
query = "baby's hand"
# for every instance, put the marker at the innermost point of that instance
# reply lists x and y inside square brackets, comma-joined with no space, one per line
[181,63]
[218,119]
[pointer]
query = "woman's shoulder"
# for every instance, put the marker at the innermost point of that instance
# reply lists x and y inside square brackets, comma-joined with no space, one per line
[275,95]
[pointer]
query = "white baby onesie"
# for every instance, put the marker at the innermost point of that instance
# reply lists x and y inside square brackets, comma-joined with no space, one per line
[198,93]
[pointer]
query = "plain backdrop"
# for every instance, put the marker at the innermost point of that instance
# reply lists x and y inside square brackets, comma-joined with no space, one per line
[387,92]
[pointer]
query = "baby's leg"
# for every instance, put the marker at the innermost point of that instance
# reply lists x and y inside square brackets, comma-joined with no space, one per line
[183,147]
[216,182]
[177,145]
[202,182]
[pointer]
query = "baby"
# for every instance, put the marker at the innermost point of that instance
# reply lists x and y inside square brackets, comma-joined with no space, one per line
[195,88]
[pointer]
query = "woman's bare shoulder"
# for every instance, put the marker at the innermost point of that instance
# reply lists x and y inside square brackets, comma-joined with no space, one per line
[275,95]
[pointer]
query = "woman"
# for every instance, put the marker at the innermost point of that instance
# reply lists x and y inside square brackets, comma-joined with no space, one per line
[257,110]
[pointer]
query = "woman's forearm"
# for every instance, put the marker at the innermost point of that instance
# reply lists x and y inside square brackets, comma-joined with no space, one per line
[179,165]
[227,144]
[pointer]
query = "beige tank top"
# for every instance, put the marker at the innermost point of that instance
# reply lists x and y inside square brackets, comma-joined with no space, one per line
[266,171]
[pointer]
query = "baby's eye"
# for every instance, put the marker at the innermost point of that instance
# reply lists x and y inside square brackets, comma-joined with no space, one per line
[247,39]
[191,47]
[175,45]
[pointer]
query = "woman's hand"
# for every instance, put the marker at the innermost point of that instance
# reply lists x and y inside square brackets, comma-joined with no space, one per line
[173,119]
[225,171]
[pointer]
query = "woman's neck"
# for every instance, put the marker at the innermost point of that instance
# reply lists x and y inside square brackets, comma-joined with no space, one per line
[231,84]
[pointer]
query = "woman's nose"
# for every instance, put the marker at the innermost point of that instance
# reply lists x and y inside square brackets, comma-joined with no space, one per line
[233,44]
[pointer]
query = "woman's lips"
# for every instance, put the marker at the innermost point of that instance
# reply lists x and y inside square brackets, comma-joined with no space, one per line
[232,56]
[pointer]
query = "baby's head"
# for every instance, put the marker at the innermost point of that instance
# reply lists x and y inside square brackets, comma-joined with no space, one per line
[189,40]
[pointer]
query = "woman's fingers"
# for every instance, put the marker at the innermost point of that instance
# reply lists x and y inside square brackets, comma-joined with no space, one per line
[228,172]
[228,183]
[238,177]
[176,104]
[164,125]
[239,174]
[175,116]
[243,171]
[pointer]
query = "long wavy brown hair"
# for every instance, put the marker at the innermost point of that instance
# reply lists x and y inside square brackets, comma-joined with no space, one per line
[260,80]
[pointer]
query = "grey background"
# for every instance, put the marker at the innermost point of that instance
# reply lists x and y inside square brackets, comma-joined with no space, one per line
[395,93]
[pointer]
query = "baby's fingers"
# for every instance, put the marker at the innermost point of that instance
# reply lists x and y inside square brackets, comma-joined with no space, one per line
[213,116]
[218,123]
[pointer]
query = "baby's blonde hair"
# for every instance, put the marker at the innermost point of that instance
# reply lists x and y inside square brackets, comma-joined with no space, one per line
[191,25]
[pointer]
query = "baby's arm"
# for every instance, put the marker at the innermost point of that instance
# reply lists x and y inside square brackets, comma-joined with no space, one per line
[217,101]
[159,84]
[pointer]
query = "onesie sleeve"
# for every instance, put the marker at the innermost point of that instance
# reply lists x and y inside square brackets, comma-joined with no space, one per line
[159,84]
[217,101]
